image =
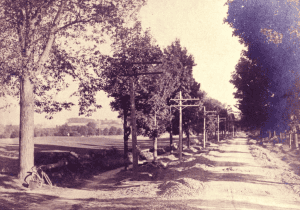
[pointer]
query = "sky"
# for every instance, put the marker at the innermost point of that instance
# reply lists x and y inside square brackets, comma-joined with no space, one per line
[199,26]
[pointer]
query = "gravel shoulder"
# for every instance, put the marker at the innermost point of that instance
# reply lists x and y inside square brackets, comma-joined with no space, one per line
[233,174]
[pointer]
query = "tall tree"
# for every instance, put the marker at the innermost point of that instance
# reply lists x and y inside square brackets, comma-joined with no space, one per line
[34,57]
[186,83]
[252,92]
[156,89]
[269,29]
[131,45]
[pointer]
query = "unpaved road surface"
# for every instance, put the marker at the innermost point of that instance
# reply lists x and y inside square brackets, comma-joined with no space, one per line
[248,177]
[233,174]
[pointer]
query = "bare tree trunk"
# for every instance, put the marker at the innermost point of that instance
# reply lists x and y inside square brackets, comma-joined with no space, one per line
[133,127]
[125,135]
[171,135]
[171,138]
[155,140]
[26,144]
[188,138]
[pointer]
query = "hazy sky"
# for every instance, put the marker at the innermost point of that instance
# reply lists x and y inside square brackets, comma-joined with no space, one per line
[199,26]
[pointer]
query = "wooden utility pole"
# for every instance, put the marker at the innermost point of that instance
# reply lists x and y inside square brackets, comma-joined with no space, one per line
[132,106]
[180,119]
[221,118]
[218,128]
[171,131]
[218,125]
[204,131]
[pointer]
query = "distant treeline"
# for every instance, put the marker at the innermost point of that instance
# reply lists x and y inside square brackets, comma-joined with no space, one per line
[12,131]
[89,130]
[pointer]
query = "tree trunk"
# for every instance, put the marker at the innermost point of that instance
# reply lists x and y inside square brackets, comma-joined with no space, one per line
[155,140]
[154,149]
[125,135]
[171,137]
[26,144]
[133,126]
[188,138]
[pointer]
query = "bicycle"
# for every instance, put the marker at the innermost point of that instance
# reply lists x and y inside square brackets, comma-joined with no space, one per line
[36,178]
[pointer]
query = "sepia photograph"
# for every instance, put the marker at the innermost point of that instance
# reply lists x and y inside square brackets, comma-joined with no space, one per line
[149,104]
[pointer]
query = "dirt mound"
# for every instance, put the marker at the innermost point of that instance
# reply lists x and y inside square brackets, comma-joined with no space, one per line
[181,188]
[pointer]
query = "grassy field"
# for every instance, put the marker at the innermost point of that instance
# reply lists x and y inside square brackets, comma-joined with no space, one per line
[76,144]
[97,154]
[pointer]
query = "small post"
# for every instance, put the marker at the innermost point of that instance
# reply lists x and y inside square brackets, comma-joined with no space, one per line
[290,138]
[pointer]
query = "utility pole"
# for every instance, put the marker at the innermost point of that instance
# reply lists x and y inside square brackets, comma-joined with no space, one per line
[204,131]
[220,118]
[218,125]
[171,131]
[232,112]
[132,106]
[180,119]
[218,128]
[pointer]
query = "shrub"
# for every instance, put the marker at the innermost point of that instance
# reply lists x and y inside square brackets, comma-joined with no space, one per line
[105,131]
[75,133]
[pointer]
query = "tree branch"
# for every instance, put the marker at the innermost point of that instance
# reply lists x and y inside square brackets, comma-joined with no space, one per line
[51,37]
[73,23]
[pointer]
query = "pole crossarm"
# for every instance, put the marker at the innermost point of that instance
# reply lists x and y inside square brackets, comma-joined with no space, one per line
[142,63]
[132,105]
[181,106]
[210,111]
[184,99]
[204,129]
[137,74]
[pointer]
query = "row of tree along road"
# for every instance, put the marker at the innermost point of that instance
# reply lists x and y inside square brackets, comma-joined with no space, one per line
[46,44]
[267,78]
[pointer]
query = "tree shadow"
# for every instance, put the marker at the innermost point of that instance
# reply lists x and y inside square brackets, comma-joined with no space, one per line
[24,200]
[9,181]
[9,162]
[188,204]
[133,203]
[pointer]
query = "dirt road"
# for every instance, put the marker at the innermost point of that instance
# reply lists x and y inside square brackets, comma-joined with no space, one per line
[235,174]
[247,177]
